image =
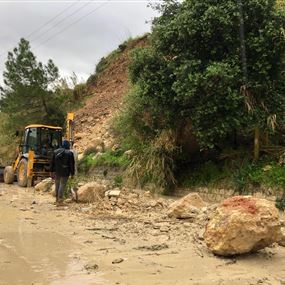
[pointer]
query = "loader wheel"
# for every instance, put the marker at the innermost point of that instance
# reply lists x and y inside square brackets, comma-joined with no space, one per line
[9,175]
[22,173]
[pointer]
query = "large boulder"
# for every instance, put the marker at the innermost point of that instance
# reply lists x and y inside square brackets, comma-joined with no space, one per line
[45,185]
[187,207]
[243,224]
[91,192]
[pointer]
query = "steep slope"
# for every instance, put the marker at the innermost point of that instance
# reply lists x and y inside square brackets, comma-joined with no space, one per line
[105,98]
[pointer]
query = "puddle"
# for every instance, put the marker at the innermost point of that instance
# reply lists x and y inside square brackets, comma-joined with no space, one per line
[39,257]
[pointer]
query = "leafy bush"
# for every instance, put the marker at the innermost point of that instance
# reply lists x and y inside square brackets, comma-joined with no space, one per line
[111,159]
[243,175]
[204,174]
[106,61]
[108,159]
[118,181]
[280,203]
[79,91]
[85,164]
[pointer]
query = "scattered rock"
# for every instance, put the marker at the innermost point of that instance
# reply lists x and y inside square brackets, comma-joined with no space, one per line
[79,136]
[187,207]
[154,247]
[52,192]
[86,210]
[243,224]
[80,156]
[24,209]
[45,185]
[129,153]
[164,229]
[282,241]
[91,192]
[113,193]
[118,260]
[91,267]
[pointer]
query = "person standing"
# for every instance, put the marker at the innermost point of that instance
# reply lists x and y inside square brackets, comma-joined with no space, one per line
[62,166]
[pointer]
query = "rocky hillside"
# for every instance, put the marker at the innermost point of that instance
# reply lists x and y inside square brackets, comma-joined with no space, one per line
[105,98]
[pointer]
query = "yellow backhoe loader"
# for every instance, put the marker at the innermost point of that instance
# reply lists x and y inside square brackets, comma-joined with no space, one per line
[33,161]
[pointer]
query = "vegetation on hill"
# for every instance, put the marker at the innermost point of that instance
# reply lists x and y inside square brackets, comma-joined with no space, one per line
[214,67]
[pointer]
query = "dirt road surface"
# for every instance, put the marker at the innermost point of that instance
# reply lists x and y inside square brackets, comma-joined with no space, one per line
[44,244]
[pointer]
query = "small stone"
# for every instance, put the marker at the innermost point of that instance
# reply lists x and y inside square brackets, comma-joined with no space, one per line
[91,267]
[118,260]
[112,193]
[282,241]
[164,229]
[85,210]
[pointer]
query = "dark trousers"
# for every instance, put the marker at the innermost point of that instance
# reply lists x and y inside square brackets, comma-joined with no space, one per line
[60,186]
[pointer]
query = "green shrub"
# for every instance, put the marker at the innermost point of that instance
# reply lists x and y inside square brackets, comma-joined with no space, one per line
[280,203]
[108,159]
[79,91]
[111,159]
[85,164]
[118,181]
[91,80]
[244,176]
[106,61]
[204,174]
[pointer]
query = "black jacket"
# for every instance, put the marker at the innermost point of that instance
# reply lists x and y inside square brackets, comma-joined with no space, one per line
[63,162]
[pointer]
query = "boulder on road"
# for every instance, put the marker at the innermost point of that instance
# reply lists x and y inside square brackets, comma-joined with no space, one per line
[45,185]
[91,192]
[243,224]
[187,207]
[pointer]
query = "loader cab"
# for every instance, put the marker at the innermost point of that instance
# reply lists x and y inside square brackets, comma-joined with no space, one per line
[43,140]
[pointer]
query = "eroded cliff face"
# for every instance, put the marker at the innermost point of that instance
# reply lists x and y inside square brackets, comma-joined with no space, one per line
[104,100]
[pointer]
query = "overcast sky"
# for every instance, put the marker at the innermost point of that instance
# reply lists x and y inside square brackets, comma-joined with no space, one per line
[74,34]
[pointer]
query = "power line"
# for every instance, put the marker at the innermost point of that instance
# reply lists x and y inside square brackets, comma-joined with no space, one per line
[52,19]
[74,23]
[57,23]
[61,21]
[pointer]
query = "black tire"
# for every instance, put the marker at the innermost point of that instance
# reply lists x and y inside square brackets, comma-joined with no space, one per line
[9,175]
[22,173]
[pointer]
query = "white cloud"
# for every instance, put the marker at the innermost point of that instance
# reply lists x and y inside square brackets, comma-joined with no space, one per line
[79,47]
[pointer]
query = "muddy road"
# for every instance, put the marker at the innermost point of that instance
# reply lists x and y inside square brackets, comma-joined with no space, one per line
[44,244]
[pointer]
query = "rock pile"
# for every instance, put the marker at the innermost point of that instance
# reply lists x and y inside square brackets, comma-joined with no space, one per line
[243,224]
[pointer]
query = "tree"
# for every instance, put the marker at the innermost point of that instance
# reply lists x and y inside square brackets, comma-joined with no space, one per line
[27,95]
[195,68]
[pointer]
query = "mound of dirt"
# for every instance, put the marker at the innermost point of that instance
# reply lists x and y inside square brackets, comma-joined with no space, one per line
[106,96]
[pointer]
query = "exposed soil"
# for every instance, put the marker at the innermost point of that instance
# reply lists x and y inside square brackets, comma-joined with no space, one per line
[81,244]
[106,96]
